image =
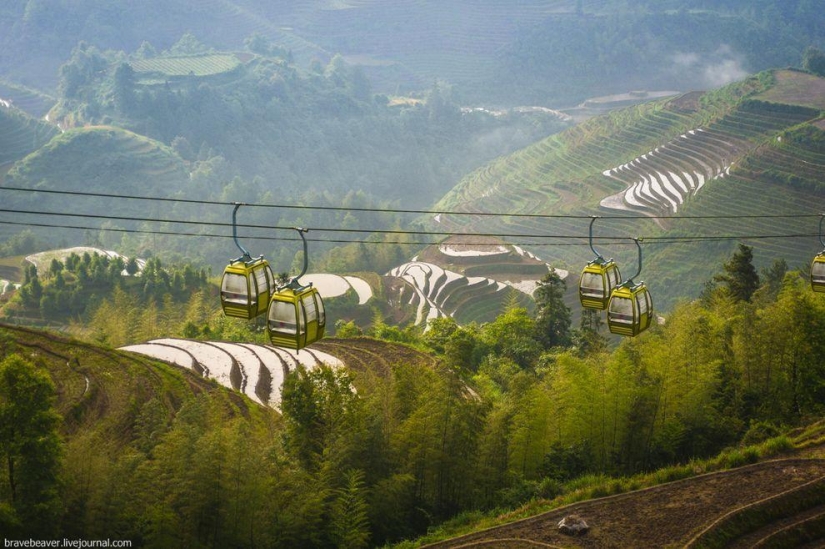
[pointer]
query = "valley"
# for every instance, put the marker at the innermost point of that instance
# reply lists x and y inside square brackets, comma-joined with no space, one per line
[451,168]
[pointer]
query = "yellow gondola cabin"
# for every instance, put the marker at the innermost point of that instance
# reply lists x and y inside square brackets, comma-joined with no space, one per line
[630,309]
[247,282]
[246,287]
[818,264]
[296,318]
[818,273]
[597,280]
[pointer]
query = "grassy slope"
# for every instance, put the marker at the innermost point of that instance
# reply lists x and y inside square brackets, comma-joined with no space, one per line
[102,157]
[563,175]
[771,491]
[20,134]
[100,391]
[94,159]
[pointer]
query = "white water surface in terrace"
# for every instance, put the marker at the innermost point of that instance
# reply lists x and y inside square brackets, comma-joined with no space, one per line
[172,355]
[249,364]
[272,362]
[216,360]
[362,287]
[333,285]
[451,251]
[651,186]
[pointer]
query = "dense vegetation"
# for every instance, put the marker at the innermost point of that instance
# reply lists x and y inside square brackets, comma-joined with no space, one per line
[101,444]
[556,52]
[361,459]
[263,131]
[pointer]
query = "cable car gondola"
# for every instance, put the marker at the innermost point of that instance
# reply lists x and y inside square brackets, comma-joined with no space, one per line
[296,316]
[818,264]
[247,282]
[630,309]
[598,279]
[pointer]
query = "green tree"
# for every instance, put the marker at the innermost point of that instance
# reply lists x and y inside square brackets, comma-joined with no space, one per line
[349,513]
[513,335]
[588,338]
[29,446]
[132,266]
[318,406]
[740,275]
[124,88]
[813,60]
[552,315]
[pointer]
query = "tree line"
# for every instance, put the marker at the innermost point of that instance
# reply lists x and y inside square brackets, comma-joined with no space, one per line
[516,409]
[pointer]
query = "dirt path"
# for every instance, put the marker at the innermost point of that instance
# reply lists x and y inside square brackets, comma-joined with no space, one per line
[668,515]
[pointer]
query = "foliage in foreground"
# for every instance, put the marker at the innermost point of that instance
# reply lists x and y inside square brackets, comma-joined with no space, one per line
[366,459]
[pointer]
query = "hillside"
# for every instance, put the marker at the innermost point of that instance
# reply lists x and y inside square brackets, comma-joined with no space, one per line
[425,430]
[20,134]
[100,389]
[749,149]
[772,502]
[94,159]
[258,371]
[101,158]
[551,53]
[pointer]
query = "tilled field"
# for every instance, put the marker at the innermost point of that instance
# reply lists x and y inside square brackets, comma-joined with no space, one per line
[669,515]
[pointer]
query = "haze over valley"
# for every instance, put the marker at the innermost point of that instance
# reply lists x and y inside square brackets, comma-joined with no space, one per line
[430,184]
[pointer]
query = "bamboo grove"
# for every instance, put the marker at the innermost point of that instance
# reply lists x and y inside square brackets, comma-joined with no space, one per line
[513,410]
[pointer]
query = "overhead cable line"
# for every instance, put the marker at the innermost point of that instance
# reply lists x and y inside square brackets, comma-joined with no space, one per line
[275,227]
[273,238]
[398,210]
[616,240]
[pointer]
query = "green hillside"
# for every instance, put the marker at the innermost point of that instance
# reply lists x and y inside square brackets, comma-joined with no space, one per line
[557,52]
[457,423]
[34,103]
[99,159]
[21,134]
[750,149]
[94,159]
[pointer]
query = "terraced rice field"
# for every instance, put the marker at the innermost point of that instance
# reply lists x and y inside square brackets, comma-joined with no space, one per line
[194,65]
[470,280]
[21,135]
[752,506]
[258,371]
[660,181]
[33,103]
[42,260]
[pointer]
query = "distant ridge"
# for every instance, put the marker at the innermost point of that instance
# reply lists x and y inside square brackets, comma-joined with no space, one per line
[695,155]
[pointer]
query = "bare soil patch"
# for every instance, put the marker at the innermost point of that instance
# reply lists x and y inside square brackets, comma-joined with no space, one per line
[667,515]
[796,88]
[686,103]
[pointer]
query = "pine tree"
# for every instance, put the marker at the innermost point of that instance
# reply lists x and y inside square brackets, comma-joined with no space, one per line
[552,315]
[29,446]
[740,275]
[349,513]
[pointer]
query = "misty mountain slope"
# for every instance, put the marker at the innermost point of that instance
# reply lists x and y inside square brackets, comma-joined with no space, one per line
[551,53]
[728,138]
[94,159]
[21,134]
